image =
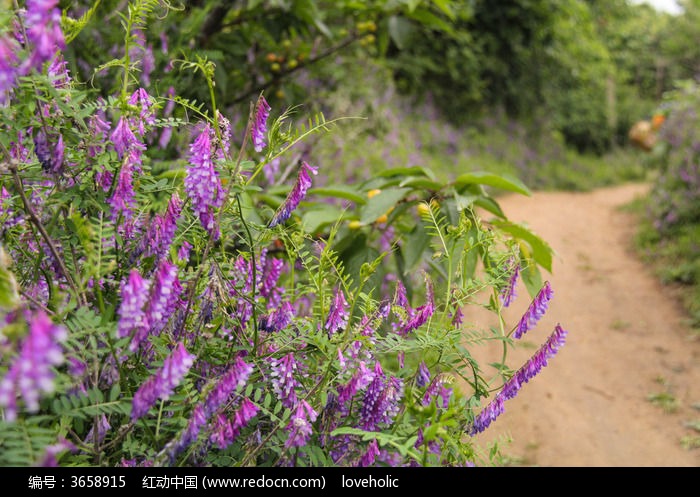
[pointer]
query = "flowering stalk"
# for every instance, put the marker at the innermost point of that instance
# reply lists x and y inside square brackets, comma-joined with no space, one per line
[535,311]
[528,371]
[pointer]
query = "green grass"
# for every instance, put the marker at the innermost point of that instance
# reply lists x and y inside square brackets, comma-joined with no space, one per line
[675,259]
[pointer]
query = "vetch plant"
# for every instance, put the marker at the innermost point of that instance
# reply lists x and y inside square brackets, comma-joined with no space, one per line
[179,313]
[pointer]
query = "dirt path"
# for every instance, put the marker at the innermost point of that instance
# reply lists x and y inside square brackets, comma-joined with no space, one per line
[627,341]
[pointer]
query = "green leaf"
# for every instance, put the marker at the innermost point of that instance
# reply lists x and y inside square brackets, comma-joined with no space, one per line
[381,203]
[401,31]
[9,295]
[490,205]
[406,171]
[421,183]
[541,251]
[444,6]
[340,191]
[429,19]
[417,243]
[502,181]
[314,220]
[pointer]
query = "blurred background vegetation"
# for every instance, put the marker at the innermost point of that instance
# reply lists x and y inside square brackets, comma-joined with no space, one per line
[545,90]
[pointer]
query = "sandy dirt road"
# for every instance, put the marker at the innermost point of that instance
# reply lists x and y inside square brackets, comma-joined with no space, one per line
[627,342]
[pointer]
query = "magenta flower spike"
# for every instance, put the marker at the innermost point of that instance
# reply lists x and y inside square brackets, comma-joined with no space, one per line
[259,131]
[528,371]
[338,315]
[535,311]
[30,374]
[296,195]
[163,382]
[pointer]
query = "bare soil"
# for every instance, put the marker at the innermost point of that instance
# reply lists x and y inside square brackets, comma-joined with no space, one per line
[625,387]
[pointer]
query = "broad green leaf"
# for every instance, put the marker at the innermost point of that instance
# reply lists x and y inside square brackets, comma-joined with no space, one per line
[490,205]
[406,171]
[314,220]
[541,251]
[340,191]
[381,203]
[417,243]
[9,294]
[430,20]
[502,181]
[444,6]
[421,183]
[401,31]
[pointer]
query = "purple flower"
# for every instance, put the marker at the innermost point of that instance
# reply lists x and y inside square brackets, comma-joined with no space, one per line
[8,70]
[202,182]
[508,293]
[283,382]
[134,294]
[99,127]
[164,296]
[103,427]
[140,98]
[234,378]
[224,431]
[437,388]
[259,131]
[368,457]
[296,195]
[270,268]
[299,426]
[124,198]
[338,316]
[31,374]
[535,311]
[278,319]
[362,378]
[419,316]
[161,231]
[246,411]
[458,317]
[528,371]
[423,376]
[124,139]
[183,253]
[43,28]
[49,150]
[162,384]
[58,72]
[51,452]
[222,434]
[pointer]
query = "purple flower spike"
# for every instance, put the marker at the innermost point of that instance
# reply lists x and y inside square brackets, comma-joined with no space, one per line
[535,311]
[134,294]
[162,384]
[49,150]
[283,382]
[43,21]
[299,426]
[8,70]
[295,196]
[528,371]
[259,132]
[123,138]
[423,376]
[234,378]
[338,314]
[419,316]
[508,293]
[202,182]
[164,296]
[367,459]
[31,374]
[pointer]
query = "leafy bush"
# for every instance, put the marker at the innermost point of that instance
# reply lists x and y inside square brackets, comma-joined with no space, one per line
[170,298]
[673,208]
